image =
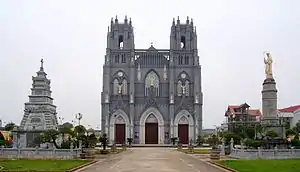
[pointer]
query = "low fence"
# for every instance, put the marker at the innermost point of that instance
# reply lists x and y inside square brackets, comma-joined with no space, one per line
[39,153]
[265,153]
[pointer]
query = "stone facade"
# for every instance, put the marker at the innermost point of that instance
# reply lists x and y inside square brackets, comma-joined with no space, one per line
[39,113]
[265,153]
[151,85]
[39,153]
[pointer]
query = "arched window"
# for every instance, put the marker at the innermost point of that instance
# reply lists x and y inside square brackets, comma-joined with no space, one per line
[115,86]
[187,88]
[152,84]
[124,87]
[179,89]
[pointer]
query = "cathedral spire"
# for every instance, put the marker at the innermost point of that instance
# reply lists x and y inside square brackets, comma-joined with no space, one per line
[42,65]
[125,20]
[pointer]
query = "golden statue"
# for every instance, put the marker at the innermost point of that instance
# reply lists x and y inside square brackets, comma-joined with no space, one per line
[268,62]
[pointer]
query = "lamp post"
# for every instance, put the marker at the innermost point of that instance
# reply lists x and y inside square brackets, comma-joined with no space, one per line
[78,116]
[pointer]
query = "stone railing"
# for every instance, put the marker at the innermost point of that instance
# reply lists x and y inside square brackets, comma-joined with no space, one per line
[265,153]
[39,153]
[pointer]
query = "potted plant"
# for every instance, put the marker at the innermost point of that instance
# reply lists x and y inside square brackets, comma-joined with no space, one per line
[173,140]
[129,140]
[104,141]
[215,151]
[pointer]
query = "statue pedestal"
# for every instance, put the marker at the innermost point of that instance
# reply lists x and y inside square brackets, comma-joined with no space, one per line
[270,117]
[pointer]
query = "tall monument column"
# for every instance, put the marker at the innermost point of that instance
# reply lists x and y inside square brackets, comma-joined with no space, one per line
[269,99]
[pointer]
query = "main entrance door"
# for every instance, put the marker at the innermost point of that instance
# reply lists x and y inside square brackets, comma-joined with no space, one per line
[151,133]
[183,133]
[120,134]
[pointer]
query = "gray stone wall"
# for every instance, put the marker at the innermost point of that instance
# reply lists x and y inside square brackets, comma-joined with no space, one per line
[164,62]
[265,153]
[38,153]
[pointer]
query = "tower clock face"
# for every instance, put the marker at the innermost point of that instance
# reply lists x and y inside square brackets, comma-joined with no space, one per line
[120,74]
[183,75]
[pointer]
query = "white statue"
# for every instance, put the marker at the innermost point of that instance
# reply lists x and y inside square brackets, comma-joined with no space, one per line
[139,72]
[120,88]
[197,98]
[172,98]
[268,67]
[106,97]
[183,87]
[165,72]
[131,98]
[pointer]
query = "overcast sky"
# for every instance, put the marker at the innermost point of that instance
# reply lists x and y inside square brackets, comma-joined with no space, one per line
[71,35]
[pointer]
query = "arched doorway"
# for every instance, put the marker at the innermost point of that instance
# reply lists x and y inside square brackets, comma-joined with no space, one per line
[183,130]
[184,126]
[119,127]
[120,130]
[154,120]
[151,130]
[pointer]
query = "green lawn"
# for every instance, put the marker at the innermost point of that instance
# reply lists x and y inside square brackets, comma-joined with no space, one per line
[41,165]
[263,165]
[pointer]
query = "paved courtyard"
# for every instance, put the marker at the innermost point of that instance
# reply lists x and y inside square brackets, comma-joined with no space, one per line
[152,160]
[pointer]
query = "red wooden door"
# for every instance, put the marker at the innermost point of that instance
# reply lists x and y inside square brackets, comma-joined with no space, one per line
[183,133]
[151,133]
[120,134]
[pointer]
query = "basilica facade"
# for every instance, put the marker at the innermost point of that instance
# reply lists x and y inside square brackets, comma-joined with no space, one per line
[151,95]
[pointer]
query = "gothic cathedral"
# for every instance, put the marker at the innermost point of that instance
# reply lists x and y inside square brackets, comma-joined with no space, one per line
[151,95]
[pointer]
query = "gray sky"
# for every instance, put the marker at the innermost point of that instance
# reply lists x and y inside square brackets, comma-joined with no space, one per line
[71,35]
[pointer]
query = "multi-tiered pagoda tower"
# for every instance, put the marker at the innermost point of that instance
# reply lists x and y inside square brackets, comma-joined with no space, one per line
[39,113]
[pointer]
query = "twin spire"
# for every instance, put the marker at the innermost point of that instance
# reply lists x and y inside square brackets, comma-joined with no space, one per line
[187,21]
[116,21]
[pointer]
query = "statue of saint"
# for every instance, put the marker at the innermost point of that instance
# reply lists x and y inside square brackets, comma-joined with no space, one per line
[268,68]
[120,88]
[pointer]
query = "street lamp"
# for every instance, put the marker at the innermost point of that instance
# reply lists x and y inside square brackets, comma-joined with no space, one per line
[78,116]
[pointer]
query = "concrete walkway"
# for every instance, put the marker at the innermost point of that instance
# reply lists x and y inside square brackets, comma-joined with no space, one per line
[152,160]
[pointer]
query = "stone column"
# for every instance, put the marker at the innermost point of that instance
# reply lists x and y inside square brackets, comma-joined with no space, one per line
[132,93]
[171,93]
[223,147]
[231,144]
[15,137]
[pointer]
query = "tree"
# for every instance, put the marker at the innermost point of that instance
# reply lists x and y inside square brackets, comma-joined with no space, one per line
[272,134]
[297,127]
[50,136]
[64,129]
[261,130]
[290,132]
[200,140]
[213,141]
[228,135]
[79,130]
[103,140]
[9,126]
[91,141]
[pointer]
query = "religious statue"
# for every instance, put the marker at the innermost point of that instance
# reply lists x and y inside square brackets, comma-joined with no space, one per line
[268,68]
[120,88]
[197,98]
[139,72]
[165,72]
[172,98]
[183,89]
[131,98]
[106,99]
[151,80]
